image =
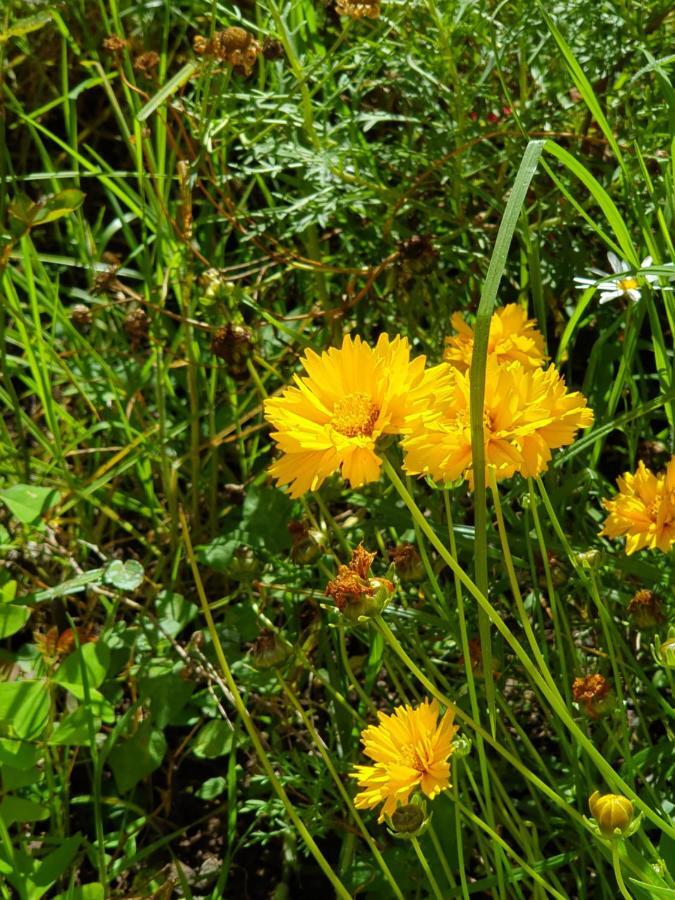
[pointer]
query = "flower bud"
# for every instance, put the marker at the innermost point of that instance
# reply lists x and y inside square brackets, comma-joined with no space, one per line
[268,651]
[666,652]
[308,543]
[408,562]
[612,812]
[589,559]
[245,565]
[408,818]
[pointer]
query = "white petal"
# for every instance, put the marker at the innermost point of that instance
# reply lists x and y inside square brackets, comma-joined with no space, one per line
[610,286]
[634,295]
[646,262]
[599,272]
[584,282]
[607,297]
[616,264]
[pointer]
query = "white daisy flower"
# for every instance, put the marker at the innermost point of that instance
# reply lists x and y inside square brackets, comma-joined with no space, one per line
[626,285]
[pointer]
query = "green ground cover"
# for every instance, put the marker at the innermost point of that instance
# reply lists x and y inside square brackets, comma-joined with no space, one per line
[182,217]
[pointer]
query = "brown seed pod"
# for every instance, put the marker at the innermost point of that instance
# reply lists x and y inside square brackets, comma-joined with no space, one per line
[234,45]
[146,62]
[358,9]
[137,327]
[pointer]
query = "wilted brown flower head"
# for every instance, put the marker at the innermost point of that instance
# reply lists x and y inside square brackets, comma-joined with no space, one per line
[353,591]
[358,9]
[593,694]
[272,49]
[146,62]
[113,43]
[644,609]
[234,45]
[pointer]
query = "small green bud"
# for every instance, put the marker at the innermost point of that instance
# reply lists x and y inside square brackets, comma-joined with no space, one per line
[268,651]
[245,565]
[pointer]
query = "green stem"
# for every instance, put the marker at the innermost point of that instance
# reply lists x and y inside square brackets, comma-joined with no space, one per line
[616,865]
[245,716]
[427,871]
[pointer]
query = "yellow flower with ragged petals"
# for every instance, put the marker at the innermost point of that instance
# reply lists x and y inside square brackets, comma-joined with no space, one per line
[333,417]
[513,338]
[410,750]
[643,510]
[527,414]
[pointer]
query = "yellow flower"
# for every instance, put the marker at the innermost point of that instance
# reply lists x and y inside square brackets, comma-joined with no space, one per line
[331,420]
[643,510]
[513,337]
[527,414]
[410,750]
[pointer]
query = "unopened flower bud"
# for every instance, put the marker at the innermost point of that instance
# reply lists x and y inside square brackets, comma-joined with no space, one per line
[268,651]
[612,812]
[408,562]
[666,652]
[245,565]
[308,543]
[408,819]
[589,559]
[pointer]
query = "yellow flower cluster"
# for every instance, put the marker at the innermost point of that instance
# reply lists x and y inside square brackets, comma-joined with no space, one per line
[334,416]
[644,509]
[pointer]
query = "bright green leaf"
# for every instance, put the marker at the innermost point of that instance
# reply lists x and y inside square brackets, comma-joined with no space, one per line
[28,502]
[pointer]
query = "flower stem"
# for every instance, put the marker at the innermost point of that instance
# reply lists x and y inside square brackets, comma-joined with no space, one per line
[245,716]
[427,871]
[616,865]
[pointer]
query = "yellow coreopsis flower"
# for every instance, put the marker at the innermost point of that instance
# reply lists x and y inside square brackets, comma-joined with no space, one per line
[410,750]
[527,414]
[643,510]
[513,338]
[351,396]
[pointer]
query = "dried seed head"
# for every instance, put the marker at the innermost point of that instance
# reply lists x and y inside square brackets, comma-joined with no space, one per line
[594,694]
[354,592]
[234,45]
[233,344]
[408,819]
[644,609]
[114,44]
[106,281]
[80,316]
[137,326]
[358,9]
[146,62]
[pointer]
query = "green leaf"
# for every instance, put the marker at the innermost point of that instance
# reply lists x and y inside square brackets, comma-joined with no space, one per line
[211,788]
[18,809]
[25,26]
[92,891]
[218,553]
[12,619]
[24,707]
[170,87]
[28,502]
[137,757]
[18,754]
[13,779]
[213,739]
[74,730]
[57,206]
[90,660]
[265,514]
[165,693]
[174,612]
[125,576]
[52,867]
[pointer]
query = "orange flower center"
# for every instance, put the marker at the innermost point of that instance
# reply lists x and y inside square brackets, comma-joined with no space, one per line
[355,415]
[627,284]
[412,758]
